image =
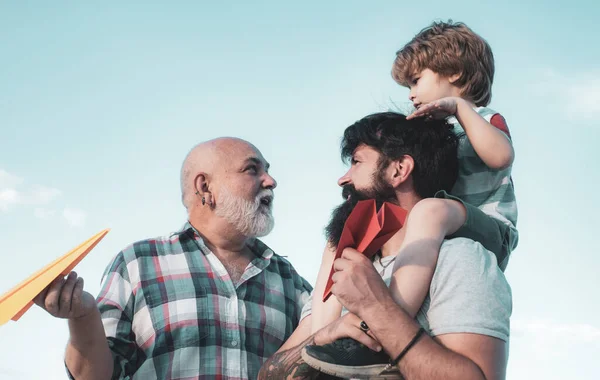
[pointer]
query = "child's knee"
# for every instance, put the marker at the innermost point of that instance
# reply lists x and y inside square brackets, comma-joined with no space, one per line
[428,208]
[450,214]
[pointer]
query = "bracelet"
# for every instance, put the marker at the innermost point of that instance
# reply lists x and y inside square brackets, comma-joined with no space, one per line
[414,340]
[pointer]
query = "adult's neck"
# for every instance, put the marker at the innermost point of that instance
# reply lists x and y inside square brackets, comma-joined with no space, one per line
[218,235]
[406,200]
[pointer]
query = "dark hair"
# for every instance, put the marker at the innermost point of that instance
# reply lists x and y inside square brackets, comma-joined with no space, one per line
[449,48]
[432,145]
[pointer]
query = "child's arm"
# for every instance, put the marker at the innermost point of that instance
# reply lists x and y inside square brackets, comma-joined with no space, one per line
[428,223]
[490,143]
[323,313]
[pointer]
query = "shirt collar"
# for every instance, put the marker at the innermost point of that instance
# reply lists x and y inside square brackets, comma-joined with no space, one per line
[260,249]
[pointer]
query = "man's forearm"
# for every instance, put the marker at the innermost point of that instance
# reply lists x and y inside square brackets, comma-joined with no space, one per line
[87,355]
[426,359]
[289,365]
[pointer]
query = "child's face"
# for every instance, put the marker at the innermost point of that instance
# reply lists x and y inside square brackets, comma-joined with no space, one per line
[428,86]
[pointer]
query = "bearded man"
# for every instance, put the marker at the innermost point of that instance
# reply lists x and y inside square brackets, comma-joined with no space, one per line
[462,329]
[209,301]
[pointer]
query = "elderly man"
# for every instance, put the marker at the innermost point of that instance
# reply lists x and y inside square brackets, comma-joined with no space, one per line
[209,301]
[466,315]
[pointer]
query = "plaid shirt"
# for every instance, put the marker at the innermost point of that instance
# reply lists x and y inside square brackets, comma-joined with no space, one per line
[171,311]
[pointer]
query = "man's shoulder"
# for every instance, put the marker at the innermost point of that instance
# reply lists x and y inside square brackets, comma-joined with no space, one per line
[465,261]
[173,242]
[460,243]
[280,265]
[465,251]
[468,292]
[149,248]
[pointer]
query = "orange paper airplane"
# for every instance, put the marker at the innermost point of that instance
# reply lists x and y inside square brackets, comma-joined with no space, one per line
[19,299]
[367,230]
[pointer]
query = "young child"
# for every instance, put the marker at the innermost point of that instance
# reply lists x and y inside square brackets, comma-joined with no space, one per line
[449,70]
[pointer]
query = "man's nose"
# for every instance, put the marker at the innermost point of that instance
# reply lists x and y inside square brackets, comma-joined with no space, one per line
[344,180]
[269,182]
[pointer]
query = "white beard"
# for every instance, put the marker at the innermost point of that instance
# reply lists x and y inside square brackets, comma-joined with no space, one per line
[252,219]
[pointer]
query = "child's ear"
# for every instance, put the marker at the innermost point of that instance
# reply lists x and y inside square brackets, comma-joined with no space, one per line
[453,78]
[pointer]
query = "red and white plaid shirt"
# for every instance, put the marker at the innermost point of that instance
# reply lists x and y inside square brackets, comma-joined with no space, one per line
[171,311]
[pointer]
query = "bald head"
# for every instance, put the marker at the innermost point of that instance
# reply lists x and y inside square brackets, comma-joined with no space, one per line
[210,157]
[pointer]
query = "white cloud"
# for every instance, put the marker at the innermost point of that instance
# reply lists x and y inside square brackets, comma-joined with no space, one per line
[8,180]
[546,349]
[560,331]
[578,95]
[75,217]
[8,197]
[12,193]
[585,98]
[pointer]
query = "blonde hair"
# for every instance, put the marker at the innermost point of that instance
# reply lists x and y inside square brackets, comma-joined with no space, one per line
[448,49]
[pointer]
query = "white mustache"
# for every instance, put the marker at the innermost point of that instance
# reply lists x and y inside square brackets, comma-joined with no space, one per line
[264,194]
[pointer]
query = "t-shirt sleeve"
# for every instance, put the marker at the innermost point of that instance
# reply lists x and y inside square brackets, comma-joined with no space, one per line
[304,297]
[468,293]
[307,309]
[499,122]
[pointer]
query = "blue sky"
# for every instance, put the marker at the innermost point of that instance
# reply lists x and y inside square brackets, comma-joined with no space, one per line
[100,103]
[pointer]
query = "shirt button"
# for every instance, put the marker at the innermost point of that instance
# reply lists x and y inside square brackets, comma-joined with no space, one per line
[234,343]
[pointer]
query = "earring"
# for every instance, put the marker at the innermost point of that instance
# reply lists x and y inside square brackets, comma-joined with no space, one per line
[203,201]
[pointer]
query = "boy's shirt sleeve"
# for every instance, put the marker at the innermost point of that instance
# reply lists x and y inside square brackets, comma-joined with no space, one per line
[499,122]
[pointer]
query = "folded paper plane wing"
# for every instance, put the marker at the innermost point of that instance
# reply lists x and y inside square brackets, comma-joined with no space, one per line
[15,302]
[367,230]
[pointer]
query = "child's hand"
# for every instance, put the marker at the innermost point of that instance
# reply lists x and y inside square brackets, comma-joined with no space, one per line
[440,109]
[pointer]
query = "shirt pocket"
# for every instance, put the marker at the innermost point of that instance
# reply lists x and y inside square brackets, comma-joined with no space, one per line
[179,316]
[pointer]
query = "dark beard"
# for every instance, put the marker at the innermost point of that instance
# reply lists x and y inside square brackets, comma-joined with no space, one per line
[380,192]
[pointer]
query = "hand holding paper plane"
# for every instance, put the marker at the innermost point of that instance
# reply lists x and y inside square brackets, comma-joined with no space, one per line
[367,230]
[19,299]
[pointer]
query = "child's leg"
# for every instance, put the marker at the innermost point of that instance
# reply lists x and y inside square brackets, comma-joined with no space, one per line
[428,223]
[496,236]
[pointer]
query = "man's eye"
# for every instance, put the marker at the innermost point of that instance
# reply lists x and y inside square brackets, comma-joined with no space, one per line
[354,161]
[415,80]
[252,169]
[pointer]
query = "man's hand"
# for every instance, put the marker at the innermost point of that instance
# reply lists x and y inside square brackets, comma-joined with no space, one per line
[65,298]
[440,109]
[356,283]
[287,363]
[347,326]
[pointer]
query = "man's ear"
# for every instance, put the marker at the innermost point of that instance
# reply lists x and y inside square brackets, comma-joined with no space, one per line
[401,170]
[201,185]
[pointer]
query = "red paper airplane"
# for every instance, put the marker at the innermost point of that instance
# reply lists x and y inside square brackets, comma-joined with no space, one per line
[367,230]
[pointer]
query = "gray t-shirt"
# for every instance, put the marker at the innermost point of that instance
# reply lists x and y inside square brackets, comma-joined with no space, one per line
[468,292]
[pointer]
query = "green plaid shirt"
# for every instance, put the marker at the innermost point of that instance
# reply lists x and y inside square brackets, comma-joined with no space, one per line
[171,311]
